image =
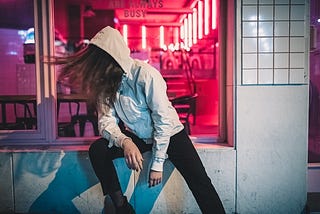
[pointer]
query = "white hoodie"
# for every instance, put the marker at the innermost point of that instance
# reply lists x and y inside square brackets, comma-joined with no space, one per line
[141,101]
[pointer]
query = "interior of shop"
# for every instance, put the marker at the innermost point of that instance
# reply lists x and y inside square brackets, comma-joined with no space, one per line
[179,38]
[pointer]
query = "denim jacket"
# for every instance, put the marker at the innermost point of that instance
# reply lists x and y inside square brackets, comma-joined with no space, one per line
[141,102]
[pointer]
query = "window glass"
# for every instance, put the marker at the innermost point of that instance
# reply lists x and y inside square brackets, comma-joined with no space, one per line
[17,57]
[314,87]
[179,38]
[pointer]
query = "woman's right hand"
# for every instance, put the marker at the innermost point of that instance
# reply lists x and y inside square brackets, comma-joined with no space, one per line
[132,155]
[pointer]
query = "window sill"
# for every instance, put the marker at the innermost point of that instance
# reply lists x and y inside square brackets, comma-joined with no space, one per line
[85,147]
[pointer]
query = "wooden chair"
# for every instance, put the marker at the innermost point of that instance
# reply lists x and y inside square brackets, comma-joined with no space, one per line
[185,107]
[81,119]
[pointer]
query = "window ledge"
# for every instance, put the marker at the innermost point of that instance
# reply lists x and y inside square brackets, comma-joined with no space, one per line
[213,146]
[52,148]
[38,148]
[313,165]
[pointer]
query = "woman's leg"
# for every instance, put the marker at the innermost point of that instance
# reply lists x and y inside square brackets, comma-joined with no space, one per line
[185,158]
[101,157]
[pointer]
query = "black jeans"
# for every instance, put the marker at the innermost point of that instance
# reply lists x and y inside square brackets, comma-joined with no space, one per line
[181,153]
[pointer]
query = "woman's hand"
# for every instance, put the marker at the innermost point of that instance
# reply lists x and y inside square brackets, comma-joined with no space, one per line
[155,178]
[132,155]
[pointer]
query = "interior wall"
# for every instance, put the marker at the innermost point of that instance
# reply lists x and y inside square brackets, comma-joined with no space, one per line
[21,19]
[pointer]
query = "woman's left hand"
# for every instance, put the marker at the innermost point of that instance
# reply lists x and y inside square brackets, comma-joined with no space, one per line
[155,178]
[132,155]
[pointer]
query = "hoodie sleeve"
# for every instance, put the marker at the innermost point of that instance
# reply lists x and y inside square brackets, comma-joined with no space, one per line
[108,126]
[158,102]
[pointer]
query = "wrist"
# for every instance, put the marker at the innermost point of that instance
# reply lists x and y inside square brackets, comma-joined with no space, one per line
[125,142]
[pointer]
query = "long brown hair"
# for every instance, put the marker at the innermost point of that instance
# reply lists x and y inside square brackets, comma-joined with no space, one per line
[94,72]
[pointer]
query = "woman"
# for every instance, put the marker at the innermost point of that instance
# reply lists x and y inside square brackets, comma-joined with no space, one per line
[135,116]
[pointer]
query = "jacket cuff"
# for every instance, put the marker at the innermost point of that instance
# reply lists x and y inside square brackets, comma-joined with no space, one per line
[114,140]
[157,164]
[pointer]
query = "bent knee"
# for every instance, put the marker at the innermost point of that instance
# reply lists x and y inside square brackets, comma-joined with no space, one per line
[99,144]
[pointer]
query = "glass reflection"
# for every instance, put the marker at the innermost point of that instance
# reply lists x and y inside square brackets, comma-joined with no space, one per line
[18,82]
[187,63]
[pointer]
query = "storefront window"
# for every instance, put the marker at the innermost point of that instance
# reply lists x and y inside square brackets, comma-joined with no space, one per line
[314,96]
[179,38]
[17,62]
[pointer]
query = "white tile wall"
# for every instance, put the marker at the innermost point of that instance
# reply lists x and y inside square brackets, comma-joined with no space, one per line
[281,29]
[250,1]
[297,28]
[281,76]
[273,45]
[249,61]
[265,60]
[297,76]
[250,76]
[296,60]
[281,44]
[265,2]
[297,44]
[265,29]
[298,2]
[249,45]
[249,29]
[249,13]
[265,76]
[297,12]
[265,13]
[265,44]
[282,1]
[281,60]
[281,12]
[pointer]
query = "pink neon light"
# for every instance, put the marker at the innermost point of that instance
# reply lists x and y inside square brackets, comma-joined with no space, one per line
[189,30]
[194,26]
[125,33]
[185,24]
[181,32]
[200,20]
[144,36]
[176,35]
[206,17]
[161,37]
[214,14]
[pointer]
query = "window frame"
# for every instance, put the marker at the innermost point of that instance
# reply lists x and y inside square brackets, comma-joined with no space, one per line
[47,134]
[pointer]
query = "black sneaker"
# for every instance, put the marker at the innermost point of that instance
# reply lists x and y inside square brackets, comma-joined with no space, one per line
[126,208]
[108,206]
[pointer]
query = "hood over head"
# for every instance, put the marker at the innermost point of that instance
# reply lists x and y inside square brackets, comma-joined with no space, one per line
[111,41]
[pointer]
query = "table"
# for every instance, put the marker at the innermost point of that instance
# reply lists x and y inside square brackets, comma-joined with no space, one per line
[29,118]
[24,100]
[81,119]
[70,98]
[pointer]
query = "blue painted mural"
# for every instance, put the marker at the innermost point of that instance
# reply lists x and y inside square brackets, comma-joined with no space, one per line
[60,180]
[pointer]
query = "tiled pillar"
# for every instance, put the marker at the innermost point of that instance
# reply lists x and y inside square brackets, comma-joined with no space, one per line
[273,42]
